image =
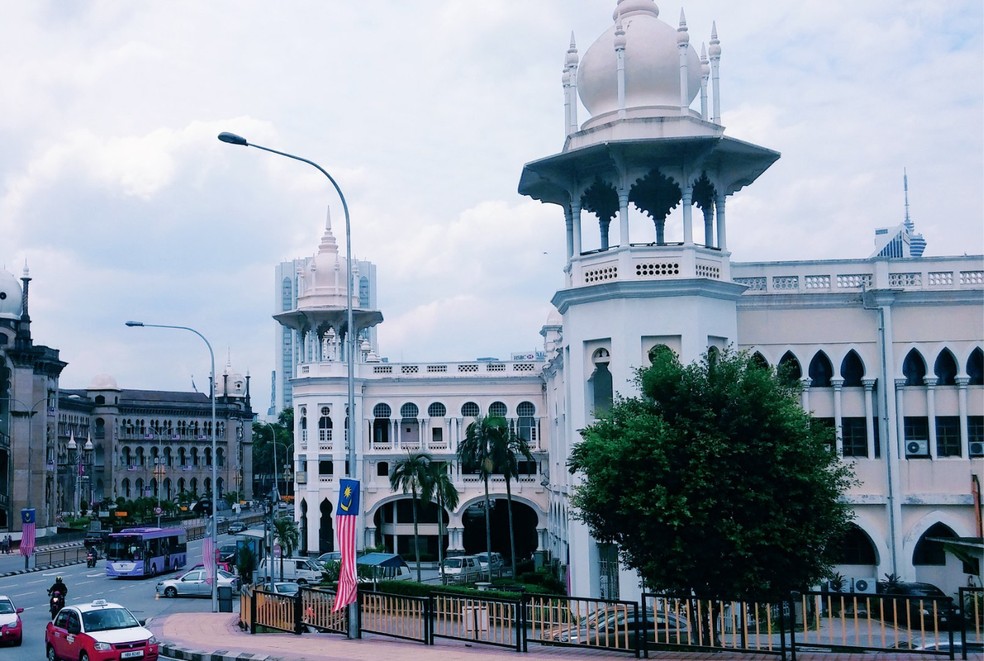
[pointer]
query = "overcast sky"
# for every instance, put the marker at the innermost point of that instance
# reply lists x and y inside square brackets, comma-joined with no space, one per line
[124,205]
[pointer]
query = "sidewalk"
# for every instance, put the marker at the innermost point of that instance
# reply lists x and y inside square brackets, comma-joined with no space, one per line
[217,637]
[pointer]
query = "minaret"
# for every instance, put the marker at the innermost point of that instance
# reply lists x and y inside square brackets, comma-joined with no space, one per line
[715,53]
[683,46]
[23,339]
[570,89]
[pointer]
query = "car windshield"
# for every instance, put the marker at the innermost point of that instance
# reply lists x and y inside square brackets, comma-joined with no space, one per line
[6,607]
[224,574]
[452,563]
[108,618]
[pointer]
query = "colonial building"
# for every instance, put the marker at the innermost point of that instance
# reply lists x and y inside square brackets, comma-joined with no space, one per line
[889,348]
[65,448]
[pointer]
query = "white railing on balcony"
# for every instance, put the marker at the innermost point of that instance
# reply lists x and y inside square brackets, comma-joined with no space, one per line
[841,276]
[649,262]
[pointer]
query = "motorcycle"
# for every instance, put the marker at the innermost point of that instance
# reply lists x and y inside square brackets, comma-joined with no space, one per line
[90,559]
[55,603]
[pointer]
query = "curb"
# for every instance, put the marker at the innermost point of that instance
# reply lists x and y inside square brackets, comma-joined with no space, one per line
[178,652]
[41,568]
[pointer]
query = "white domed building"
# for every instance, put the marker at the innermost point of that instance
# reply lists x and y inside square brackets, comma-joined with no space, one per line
[643,184]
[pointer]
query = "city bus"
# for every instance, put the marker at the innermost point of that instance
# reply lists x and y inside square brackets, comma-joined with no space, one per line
[142,552]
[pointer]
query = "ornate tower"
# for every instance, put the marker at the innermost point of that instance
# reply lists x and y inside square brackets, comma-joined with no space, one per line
[644,159]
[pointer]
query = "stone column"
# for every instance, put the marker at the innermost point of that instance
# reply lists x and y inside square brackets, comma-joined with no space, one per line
[838,384]
[930,382]
[869,413]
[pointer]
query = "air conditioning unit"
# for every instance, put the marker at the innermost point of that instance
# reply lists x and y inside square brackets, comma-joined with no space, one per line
[845,586]
[977,449]
[865,584]
[917,448]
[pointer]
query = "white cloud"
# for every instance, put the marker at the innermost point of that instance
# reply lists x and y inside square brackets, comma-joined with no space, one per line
[114,188]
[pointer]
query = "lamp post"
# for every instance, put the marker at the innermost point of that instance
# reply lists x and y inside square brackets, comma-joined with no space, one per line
[78,462]
[233,139]
[215,490]
[159,471]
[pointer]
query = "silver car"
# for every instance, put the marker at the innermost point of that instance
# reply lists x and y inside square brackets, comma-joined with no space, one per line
[193,584]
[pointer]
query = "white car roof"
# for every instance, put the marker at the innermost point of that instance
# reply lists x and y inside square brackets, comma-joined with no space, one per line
[97,604]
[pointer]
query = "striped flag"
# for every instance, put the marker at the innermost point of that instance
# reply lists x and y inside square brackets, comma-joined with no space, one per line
[208,552]
[27,531]
[346,516]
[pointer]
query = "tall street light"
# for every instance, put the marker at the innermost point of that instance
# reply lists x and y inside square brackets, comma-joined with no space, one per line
[233,139]
[215,476]
[79,463]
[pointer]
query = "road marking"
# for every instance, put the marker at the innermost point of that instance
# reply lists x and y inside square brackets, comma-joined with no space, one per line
[94,575]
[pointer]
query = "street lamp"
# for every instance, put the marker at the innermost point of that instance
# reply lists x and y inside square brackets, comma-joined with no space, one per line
[159,470]
[210,560]
[233,139]
[78,463]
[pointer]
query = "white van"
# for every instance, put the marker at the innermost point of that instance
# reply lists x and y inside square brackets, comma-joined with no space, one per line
[299,570]
[461,569]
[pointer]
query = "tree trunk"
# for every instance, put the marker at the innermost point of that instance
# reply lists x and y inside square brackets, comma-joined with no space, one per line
[440,534]
[488,529]
[512,534]
[416,545]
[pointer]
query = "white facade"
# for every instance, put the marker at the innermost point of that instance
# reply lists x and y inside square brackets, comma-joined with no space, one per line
[890,349]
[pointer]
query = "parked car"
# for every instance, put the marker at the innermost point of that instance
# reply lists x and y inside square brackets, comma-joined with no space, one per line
[193,584]
[94,630]
[330,556]
[11,627]
[483,560]
[919,605]
[374,567]
[237,526]
[461,569]
[286,588]
[301,570]
[227,553]
[618,627]
[95,538]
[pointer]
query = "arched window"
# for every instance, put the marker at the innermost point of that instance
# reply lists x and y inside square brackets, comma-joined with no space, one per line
[929,552]
[789,368]
[600,382]
[975,367]
[760,360]
[856,548]
[409,411]
[914,369]
[820,371]
[497,409]
[381,411]
[469,410]
[324,425]
[852,370]
[945,369]
[437,410]
[526,423]
[382,469]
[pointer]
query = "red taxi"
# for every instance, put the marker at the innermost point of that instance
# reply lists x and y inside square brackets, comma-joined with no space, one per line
[11,627]
[99,631]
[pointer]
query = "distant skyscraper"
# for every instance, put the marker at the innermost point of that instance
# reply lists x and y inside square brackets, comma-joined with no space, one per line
[288,350]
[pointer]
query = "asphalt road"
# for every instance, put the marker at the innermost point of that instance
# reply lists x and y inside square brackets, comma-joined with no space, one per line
[29,591]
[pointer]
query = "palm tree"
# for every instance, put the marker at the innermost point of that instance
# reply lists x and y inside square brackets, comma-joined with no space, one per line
[506,453]
[286,534]
[410,475]
[475,453]
[439,484]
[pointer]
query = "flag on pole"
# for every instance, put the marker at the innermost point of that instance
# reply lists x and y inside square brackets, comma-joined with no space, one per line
[208,552]
[27,531]
[346,516]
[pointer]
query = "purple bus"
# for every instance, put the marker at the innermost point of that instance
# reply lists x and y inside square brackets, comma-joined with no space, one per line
[144,552]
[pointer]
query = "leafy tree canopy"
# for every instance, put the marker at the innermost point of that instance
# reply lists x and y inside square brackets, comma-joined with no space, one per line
[714,482]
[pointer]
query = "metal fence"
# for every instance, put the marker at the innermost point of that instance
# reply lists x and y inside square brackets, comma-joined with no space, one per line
[814,621]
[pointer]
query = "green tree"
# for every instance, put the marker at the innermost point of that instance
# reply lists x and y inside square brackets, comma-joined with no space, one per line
[265,438]
[507,449]
[476,453]
[285,533]
[409,475]
[714,482]
[438,484]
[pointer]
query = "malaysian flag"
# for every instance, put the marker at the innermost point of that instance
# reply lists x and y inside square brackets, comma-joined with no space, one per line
[208,552]
[27,532]
[346,516]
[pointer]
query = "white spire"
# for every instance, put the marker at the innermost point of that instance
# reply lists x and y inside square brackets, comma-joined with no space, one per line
[683,47]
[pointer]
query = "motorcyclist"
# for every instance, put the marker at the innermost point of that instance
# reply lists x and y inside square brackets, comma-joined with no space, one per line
[90,557]
[58,586]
